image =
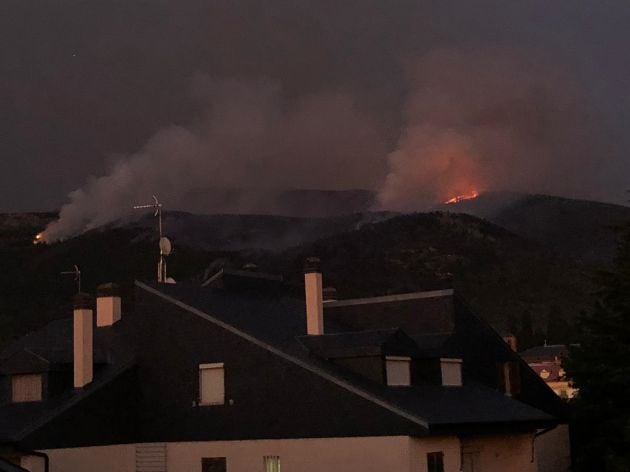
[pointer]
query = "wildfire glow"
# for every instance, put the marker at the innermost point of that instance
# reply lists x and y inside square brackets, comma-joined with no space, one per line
[38,238]
[459,198]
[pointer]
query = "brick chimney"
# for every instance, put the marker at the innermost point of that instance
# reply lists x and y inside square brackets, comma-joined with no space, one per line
[108,306]
[314,297]
[83,340]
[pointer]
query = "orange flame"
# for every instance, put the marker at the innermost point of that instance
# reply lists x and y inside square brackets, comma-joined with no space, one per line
[459,198]
[38,238]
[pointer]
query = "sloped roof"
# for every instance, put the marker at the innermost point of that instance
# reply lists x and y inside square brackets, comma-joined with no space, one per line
[6,466]
[548,352]
[360,343]
[278,322]
[52,346]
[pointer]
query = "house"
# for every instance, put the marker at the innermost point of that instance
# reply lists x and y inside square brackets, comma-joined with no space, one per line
[546,361]
[243,375]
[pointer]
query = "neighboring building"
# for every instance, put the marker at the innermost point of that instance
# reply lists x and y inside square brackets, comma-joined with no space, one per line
[240,375]
[546,361]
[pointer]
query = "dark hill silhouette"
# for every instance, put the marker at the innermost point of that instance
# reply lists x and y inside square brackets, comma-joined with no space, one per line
[526,269]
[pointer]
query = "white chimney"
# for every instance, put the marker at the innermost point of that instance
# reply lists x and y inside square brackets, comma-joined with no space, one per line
[83,340]
[108,305]
[314,297]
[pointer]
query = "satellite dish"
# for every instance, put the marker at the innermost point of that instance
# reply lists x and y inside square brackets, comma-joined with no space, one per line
[165,246]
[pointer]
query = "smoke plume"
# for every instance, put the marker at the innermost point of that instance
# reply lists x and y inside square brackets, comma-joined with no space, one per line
[491,119]
[249,145]
[473,120]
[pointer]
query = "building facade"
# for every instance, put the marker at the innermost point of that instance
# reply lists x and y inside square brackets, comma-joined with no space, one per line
[243,375]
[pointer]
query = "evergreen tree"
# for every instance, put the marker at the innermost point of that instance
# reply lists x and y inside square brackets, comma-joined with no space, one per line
[600,368]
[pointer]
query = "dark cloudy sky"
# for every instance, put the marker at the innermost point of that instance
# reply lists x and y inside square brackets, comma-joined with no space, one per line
[83,82]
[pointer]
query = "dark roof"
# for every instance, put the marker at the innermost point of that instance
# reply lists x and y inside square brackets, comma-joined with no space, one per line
[419,325]
[360,343]
[417,314]
[51,347]
[6,466]
[542,353]
[279,321]
[53,344]
[17,420]
[244,279]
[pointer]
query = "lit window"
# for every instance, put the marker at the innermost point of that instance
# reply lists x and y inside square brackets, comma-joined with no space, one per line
[451,372]
[26,388]
[435,462]
[271,463]
[398,370]
[213,464]
[211,384]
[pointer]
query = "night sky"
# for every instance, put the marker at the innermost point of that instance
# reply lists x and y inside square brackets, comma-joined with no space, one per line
[83,83]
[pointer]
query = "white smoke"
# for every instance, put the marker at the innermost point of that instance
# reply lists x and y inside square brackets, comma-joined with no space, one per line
[249,138]
[491,119]
[474,120]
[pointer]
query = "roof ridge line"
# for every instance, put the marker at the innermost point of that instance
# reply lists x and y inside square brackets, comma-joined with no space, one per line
[330,377]
[390,298]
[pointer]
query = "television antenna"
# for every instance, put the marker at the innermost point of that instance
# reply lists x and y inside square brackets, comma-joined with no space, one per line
[164,243]
[77,276]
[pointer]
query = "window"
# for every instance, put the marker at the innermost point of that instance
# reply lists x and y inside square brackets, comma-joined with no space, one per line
[398,370]
[271,463]
[213,464]
[26,388]
[211,384]
[451,372]
[435,462]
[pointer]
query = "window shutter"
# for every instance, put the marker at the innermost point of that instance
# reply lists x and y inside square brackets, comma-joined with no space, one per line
[398,371]
[271,463]
[451,372]
[26,388]
[211,384]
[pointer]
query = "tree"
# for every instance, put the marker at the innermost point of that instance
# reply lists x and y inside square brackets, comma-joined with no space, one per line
[600,369]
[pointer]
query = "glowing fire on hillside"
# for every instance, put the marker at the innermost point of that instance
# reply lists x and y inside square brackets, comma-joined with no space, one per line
[38,238]
[459,198]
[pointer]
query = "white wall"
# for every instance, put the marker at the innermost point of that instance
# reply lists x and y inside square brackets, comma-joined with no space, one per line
[504,453]
[370,454]
[120,458]
[304,455]
[33,463]
[512,453]
[553,450]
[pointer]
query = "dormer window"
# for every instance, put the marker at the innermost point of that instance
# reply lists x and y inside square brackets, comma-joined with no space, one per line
[398,371]
[26,388]
[451,372]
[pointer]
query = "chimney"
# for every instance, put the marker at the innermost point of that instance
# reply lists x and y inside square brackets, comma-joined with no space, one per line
[107,304]
[511,341]
[83,340]
[314,298]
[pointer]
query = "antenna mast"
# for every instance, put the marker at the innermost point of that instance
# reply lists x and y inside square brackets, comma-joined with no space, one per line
[165,244]
[77,276]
